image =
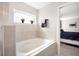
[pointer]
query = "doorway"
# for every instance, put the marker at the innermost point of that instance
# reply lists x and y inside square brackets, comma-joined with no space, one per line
[69,29]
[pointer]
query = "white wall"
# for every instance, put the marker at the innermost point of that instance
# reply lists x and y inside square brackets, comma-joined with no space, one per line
[69,15]
[66,25]
[49,12]
[52,31]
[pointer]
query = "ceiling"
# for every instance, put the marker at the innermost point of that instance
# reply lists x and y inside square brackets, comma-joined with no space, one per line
[38,5]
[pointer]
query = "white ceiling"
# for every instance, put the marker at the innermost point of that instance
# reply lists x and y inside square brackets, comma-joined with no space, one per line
[37,5]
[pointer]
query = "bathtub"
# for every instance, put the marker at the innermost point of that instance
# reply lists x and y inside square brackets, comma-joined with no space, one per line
[32,47]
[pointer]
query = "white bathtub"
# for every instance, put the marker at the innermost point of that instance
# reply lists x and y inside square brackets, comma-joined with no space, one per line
[32,47]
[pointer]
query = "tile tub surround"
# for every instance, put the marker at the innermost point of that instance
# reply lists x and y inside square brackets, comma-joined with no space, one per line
[8,40]
[25,32]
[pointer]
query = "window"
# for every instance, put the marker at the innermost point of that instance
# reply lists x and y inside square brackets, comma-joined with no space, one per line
[18,15]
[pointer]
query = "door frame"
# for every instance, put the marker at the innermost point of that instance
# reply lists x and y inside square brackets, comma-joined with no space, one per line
[58,24]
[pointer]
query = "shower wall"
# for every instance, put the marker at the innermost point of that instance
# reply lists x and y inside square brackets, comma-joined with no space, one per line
[25,32]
